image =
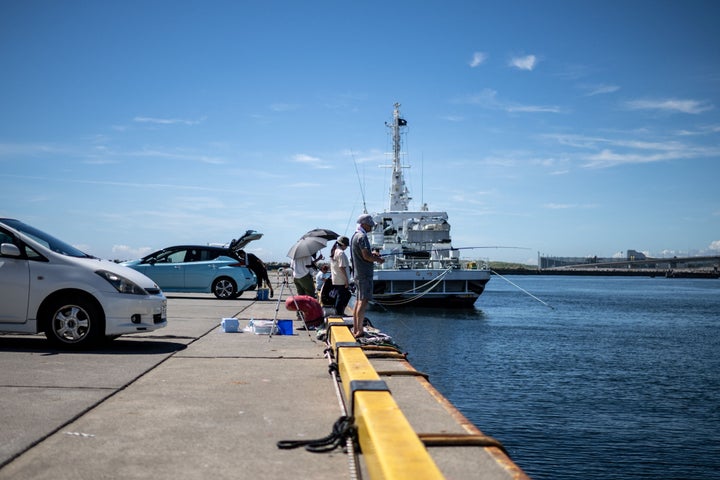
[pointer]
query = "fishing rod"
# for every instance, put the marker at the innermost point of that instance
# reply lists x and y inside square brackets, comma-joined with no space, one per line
[405,252]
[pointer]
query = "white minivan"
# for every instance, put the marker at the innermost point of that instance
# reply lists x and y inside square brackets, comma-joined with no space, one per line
[78,300]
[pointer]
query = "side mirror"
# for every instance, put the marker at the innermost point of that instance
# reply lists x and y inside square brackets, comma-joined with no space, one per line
[9,250]
[152,261]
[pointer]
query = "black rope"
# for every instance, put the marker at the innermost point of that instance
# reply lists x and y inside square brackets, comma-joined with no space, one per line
[342,430]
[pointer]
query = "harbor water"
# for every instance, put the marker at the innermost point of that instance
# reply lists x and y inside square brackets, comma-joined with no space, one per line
[615,378]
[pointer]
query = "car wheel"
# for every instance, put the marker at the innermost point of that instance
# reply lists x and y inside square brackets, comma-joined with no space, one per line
[224,288]
[74,322]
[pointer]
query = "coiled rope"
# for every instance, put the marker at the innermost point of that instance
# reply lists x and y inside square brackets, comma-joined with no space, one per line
[343,430]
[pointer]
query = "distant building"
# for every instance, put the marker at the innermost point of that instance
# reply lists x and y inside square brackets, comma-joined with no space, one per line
[633,255]
[559,262]
[634,260]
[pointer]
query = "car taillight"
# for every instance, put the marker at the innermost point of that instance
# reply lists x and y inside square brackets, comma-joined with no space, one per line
[238,264]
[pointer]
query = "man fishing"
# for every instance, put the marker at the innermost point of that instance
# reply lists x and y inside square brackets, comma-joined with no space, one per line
[362,260]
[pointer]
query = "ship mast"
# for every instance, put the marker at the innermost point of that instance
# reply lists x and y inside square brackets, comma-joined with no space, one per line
[399,194]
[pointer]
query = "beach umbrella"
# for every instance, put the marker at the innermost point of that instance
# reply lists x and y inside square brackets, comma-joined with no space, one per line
[321,233]
[307,246]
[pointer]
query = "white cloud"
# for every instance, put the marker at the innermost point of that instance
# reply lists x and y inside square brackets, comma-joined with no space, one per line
[609,152]
[167,121]
[488,98]
[703,130]
[311,161]
[527,62]
[671,105]
[283,107]
[565,206]
[478,59]
[715,245]
[647,152]
[600,89]
[126,252]
[533,108]
[100,161]
[609,158]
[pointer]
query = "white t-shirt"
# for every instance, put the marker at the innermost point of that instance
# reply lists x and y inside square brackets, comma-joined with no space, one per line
[339,268]
[299,266]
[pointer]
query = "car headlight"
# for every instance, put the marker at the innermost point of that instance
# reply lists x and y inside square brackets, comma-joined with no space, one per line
[121,284]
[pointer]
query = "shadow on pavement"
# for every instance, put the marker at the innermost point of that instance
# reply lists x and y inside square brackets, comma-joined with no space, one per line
[125,346]
[211,298]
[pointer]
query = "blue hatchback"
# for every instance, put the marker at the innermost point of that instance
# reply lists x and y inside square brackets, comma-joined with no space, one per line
[197,269]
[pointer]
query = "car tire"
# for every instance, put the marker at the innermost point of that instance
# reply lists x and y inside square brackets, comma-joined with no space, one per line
[225,288]
[74,322]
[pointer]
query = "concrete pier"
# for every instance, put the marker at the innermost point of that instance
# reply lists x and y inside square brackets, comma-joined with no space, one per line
[191,401]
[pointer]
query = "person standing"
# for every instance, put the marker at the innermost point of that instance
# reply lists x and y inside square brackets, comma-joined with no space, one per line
[303,268]
[340,274]
[362,261]
[259,269]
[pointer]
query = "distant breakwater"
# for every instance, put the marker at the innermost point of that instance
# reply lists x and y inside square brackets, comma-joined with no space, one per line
[613,272]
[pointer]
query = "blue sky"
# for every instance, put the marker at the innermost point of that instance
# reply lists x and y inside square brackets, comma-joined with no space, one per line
[567,128]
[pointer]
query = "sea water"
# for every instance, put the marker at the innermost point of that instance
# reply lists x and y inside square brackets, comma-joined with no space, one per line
[609,378]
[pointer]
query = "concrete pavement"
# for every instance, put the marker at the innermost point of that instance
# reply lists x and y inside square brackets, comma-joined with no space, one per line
[190,401]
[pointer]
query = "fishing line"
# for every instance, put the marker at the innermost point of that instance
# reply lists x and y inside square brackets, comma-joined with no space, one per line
[523,290]
[362,188]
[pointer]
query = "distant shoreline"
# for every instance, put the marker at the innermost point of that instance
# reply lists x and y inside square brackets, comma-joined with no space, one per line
[613,272]
[595,272]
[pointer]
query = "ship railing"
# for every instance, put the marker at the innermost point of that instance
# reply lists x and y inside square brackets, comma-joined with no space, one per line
[425,263]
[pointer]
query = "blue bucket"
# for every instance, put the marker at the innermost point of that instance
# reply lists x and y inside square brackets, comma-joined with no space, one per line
[262,294]
[285,327]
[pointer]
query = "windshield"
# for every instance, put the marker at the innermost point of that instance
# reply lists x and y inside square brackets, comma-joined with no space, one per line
[57,246]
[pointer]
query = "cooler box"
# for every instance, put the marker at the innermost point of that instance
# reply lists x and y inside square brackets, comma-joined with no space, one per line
[261,327]
[229,325]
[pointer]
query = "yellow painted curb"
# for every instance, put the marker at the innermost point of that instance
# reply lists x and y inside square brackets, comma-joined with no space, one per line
[390,446]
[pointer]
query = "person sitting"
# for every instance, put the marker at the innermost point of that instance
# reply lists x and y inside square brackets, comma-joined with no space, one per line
[310,308]
[322,275]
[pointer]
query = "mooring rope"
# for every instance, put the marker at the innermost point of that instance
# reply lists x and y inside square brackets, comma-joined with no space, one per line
[432,284]
[343,429]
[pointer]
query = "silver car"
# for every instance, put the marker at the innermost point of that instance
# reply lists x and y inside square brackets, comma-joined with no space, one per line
[77,300]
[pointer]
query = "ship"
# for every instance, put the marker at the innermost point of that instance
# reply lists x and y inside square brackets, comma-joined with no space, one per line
[421,266]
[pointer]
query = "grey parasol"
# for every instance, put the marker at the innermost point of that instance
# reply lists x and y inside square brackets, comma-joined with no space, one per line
[307,246]
[321,233]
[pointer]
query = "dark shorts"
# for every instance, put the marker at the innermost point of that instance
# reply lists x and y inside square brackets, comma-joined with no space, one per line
[364,288]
